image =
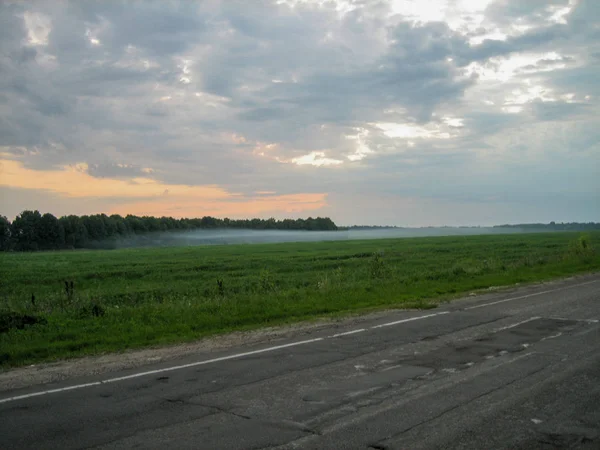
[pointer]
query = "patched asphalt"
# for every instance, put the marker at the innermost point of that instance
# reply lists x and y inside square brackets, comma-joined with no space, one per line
[516,369]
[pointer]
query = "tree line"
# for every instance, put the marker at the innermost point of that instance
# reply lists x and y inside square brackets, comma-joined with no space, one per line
[31,230]
[553,226]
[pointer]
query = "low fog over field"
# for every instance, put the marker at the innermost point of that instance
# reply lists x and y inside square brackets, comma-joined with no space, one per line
[229,236]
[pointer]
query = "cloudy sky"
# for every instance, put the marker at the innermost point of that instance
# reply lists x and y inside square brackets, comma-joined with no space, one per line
[399,112]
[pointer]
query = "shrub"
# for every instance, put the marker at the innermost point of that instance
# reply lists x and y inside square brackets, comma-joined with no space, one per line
[92,309]
[266,282]
[377,266]
[581,247]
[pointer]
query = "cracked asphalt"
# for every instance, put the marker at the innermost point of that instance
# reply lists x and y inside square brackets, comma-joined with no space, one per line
[516,369]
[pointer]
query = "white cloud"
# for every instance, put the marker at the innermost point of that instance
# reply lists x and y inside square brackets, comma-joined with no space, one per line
[560,13]
[317,159]
[455,122]
[410,131]
[361,150]
[38,27]
[512,109]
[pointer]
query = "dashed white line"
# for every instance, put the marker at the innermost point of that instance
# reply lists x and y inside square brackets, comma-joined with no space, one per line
[518,323]
[154,372]
[208,361]
[389,324]
[559,334]
[51,391]
[483,305]
[576,320]
[277,347]
[360,330]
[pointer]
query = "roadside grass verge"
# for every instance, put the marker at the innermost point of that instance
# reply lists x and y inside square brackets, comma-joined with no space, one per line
[65,304]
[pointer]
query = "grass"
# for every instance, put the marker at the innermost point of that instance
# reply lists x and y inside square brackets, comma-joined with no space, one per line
[64,304]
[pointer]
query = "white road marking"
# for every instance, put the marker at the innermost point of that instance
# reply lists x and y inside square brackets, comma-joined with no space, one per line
[207,361]
[360,330]
[51,391]
[559,334]
[270,349]
[154,372]
[392,404]
[518,323]
[575,320]
[483,305]
[389,324]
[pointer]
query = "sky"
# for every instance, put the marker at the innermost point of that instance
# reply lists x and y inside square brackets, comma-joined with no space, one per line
[379,112]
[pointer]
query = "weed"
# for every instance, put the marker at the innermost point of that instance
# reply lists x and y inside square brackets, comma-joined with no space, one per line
[220,287]
[584,242]
[69,293]
[92,309]
[266,282]
[458,271]
[337,273]
[323,283]
[581,248]
[377,266]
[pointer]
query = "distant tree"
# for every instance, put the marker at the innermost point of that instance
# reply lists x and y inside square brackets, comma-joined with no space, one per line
[76,235]
[120,224]
[4,234]
[270,224]
[208,222]
[51,233]
[110,225]
[95,227]
[325,224]
[25,231]
[168,223]
[572,226]
[33,231]
[311,224]
[136,224]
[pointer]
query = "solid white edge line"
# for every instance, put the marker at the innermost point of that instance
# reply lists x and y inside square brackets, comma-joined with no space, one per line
[528,295]
[408,320]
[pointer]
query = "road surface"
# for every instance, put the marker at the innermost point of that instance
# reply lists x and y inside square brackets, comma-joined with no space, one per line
[518,370]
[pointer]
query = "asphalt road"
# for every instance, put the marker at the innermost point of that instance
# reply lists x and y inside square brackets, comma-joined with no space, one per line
[516,370]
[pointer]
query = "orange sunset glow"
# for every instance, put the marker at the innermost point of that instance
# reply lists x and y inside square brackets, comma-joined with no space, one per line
[151,197]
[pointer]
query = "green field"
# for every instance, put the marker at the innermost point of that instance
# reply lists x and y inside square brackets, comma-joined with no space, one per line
[124,299]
